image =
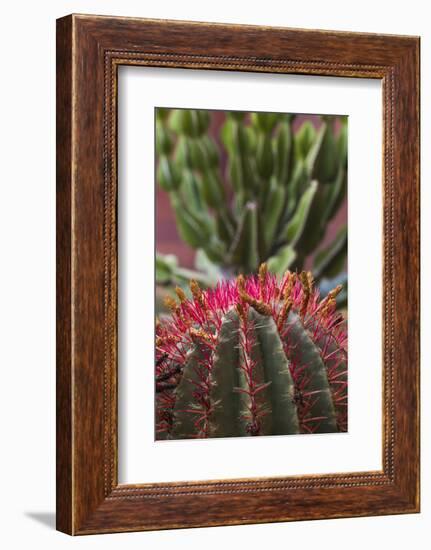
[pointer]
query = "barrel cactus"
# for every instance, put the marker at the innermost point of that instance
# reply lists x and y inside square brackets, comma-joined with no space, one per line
[259,355]
[263,192]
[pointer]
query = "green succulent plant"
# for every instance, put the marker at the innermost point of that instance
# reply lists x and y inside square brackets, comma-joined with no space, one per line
[273,201]
[169,275]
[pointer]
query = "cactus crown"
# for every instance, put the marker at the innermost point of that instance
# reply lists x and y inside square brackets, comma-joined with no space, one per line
[255,356]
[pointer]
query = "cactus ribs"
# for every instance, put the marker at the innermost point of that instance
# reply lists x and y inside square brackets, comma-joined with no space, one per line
[260,355]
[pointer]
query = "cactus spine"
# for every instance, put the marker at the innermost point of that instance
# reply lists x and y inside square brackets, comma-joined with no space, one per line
[255,356]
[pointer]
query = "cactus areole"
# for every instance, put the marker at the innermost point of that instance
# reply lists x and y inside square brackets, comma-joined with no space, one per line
[260,355]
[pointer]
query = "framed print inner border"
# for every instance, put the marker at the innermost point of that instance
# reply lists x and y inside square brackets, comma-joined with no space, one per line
[89,51]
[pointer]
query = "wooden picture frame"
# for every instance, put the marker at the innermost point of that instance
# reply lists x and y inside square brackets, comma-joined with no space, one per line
[89,52]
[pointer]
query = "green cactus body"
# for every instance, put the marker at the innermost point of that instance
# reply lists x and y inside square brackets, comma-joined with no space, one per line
[256,356]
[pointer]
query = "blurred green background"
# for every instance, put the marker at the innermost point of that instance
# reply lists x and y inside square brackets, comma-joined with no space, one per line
[235,189]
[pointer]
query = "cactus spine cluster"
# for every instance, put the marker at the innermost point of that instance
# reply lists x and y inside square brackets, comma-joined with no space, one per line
[256,356]
[275,199]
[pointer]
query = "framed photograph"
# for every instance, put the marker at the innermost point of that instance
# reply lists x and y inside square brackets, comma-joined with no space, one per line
[237,274]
